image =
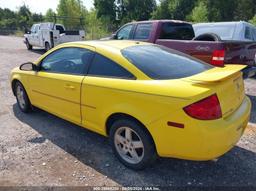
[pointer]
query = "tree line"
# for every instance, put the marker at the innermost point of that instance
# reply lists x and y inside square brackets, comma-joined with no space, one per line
[108,15]
[207,10]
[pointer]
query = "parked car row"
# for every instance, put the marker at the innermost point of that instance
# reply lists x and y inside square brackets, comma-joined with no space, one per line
[215,43]
[209,47]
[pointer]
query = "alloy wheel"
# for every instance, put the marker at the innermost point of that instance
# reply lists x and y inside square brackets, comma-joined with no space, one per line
[129,145]
[20,96]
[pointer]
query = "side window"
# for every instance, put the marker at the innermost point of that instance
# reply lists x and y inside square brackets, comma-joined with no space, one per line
[32,29]
[143,31]
[247,33]
[124,33]
[104,67]
[36,28]
[68,61]
[254,34]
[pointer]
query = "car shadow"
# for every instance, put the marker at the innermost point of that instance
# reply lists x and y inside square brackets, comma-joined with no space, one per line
[253,110]
[236,168]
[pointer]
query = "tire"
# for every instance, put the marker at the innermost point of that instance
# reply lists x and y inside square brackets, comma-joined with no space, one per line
[47,46]
[136,157]
[208,37]
[29,46]
[22,98]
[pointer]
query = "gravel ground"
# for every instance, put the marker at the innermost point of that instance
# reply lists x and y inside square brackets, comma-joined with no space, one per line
[39,149]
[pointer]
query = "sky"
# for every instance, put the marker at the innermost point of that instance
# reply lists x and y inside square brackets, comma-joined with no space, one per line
[37,6]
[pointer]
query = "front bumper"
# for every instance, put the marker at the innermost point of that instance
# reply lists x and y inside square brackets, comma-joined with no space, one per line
[201,140]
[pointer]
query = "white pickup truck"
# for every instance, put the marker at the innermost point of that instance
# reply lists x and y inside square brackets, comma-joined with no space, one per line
[237,31]
[48,35]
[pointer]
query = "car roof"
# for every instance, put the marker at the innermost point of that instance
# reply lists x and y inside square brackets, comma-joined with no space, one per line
[162,20]
[116,44]
[223,23]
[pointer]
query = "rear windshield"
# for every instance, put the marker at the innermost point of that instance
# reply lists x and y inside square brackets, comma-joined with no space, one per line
[159,62]
[177,31]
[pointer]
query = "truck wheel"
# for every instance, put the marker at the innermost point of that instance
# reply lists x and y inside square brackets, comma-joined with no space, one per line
[132,144]
[208,37]
[47,46]
[29,46]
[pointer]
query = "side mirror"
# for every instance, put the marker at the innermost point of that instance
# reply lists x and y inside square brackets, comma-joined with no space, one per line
[113,36]
[29,66]
[27,31]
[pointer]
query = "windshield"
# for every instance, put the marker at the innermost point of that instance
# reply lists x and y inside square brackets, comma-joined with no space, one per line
[159,62]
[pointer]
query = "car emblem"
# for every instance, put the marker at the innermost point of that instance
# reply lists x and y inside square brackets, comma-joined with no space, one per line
[203,48]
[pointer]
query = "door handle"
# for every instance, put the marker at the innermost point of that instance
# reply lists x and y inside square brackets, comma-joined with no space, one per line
[67,86]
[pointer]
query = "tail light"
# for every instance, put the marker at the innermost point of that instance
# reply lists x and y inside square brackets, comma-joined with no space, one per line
[218,58]
[205,109]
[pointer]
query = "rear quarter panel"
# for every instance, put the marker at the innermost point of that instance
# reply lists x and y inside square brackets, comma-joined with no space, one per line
[145,100]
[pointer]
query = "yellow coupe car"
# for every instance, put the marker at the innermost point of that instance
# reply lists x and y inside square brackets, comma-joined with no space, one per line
[149,100]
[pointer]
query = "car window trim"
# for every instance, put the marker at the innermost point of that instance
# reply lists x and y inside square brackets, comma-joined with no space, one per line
[111,77]
[84,73]
[71,74]
[103,76]
[87,68]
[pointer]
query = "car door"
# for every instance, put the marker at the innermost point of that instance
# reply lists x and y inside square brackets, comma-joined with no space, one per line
[36,36]
[56,87]
[31,35]
[97,94]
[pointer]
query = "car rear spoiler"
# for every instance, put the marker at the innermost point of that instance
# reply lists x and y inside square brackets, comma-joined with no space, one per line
[216,74]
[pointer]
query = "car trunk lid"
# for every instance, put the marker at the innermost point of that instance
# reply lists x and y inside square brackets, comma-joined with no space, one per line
[228,83]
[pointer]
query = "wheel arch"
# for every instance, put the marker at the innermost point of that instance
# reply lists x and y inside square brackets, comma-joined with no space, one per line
[115,116]
[46,42]
[17,78]
[13,83]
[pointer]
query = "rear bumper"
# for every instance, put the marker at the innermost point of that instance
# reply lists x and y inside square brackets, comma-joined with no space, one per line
[249,71]
[225,137]
[203,140]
